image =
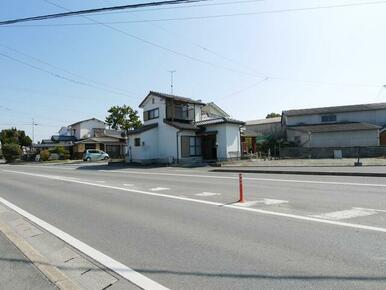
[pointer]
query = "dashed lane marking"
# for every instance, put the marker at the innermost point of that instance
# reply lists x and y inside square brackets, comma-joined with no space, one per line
[207,194]
[265,201]
[217,204]
[346,214]
[159,188]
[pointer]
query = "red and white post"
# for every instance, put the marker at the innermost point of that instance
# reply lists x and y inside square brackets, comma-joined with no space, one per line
[241,188]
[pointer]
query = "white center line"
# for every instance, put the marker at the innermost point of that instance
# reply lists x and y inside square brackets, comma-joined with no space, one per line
[119,268]
[261,211]
[246,178]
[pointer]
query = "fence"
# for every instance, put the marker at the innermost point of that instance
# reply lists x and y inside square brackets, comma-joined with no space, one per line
[328,152]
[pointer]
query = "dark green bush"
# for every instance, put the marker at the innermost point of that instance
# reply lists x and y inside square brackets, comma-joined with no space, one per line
[61,151]
[44,155]
[11,152]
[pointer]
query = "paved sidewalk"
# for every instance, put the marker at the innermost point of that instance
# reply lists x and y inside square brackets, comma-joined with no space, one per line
[18,272]
[344,162]
[370,171]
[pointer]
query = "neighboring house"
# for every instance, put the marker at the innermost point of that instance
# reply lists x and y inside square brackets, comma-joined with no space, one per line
[341,126]
[84,129]
[258,131]
[211,110]
[88,134]
[175,131]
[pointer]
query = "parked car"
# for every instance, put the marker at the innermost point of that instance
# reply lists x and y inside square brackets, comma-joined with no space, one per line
[92,154]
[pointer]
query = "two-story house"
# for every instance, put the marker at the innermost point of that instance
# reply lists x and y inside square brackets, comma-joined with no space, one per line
[340,126]
[176,131]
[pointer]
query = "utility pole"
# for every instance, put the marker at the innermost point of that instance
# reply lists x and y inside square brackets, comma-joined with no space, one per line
[33,130]
[171,80]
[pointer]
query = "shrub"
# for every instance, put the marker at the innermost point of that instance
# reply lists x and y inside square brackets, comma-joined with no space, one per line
[61,151]
[44,155]
[11,152]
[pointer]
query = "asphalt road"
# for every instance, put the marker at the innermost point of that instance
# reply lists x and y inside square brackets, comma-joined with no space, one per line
[171,225]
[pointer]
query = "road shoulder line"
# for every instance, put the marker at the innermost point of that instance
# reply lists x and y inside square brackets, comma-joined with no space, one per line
[122,270]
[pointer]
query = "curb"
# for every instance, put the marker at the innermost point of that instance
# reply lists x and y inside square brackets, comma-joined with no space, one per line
[52,273]
[299,172]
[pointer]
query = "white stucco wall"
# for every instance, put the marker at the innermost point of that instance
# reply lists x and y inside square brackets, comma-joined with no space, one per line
[228,140]
[148,148]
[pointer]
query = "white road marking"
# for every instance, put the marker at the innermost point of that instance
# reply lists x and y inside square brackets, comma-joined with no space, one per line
[128,184]
[346,214]
[255,210]
[119,268]
[266,201]
[207,194]
[159,188]
[246,178]
[377,210]
[45,166]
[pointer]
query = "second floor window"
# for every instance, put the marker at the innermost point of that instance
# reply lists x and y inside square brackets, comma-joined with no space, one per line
[328,118]
[151,114]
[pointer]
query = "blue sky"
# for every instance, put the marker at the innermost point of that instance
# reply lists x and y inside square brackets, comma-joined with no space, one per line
[256,64]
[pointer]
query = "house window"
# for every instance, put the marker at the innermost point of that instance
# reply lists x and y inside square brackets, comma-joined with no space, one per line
[190,146]
[137,142]
[151,114]
[152,101]
[328,118]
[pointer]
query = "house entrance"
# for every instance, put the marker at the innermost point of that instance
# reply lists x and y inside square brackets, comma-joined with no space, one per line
[208,147]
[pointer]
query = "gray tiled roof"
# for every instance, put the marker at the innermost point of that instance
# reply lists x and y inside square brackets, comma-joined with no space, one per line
[182,126]
[337,109]
[263,121]
[142,129]
[220,120]
[337,127]
[91,119]
[174,97]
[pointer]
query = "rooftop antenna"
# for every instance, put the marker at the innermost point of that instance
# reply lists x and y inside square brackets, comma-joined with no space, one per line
[171,80]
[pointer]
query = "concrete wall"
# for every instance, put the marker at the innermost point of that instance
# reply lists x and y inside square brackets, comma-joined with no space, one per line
[328,152]
[335,139]
[377,117]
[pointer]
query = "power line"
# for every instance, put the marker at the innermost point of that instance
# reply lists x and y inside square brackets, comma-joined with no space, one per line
[151,43]
[255,74]
[59,76]
[98,83]
[94,10]
[209,16]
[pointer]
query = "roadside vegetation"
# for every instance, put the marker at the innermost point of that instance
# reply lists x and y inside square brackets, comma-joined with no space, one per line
[12,143]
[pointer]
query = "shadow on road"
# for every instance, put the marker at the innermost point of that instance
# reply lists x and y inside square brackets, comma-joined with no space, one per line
[222,275]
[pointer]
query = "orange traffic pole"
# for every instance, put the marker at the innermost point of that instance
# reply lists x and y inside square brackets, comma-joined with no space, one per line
[241,190]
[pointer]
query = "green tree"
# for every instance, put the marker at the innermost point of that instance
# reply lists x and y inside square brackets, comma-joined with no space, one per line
[11,151]
[14,136]
[123,118]
[272,115]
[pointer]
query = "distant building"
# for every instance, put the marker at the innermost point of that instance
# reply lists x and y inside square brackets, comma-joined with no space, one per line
[87,134]
[340,126]
[258,131]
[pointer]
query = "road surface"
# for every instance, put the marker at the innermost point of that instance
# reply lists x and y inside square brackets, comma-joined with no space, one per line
[182,228]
